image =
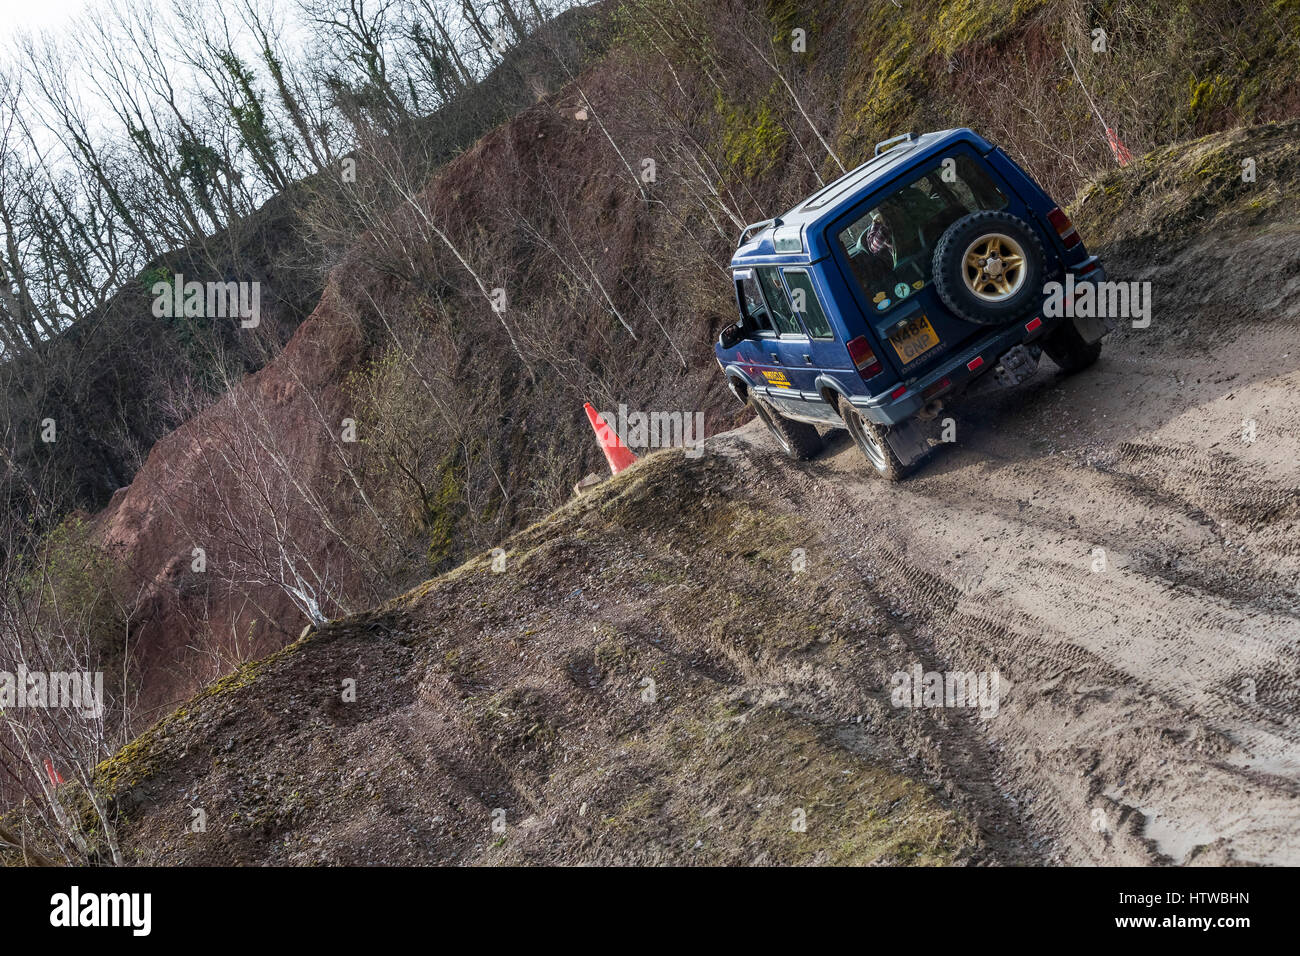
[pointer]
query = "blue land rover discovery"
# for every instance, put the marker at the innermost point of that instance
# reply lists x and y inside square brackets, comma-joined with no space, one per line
[884,295]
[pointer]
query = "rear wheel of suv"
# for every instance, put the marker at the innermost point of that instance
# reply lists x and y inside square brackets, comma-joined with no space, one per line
[1066,347]
[870,439]
[988,268]
[798,440]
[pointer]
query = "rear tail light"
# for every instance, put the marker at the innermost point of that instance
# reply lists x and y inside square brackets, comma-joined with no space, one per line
[864,360]
[975,363]
[1064,228]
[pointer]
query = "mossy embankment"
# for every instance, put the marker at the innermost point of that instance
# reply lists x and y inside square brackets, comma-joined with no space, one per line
[1243,179]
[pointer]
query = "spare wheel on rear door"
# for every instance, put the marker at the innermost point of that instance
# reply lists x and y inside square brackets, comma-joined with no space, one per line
[988,268]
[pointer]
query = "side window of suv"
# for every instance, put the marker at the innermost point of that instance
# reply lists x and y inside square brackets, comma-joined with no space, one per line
[804,301]
[774,292]
[751,302]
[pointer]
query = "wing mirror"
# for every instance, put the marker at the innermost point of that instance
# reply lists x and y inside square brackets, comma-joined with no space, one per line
[732,336]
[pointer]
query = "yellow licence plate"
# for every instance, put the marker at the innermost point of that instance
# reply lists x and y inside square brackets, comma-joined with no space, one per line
[914,339]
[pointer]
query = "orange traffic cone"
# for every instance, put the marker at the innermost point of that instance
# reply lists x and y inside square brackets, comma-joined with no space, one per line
[616,453]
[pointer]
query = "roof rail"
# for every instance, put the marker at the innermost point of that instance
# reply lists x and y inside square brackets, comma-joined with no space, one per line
[754,227]
[885,144]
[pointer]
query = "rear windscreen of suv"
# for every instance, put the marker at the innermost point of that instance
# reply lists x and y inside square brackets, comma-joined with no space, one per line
[889,249]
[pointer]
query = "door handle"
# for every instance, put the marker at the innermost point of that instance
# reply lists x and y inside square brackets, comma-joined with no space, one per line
[807,359]
[775,357]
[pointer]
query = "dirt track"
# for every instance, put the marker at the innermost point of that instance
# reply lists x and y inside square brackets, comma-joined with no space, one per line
[1162,691]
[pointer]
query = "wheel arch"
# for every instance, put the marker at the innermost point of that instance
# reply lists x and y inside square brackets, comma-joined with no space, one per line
[739,384]
[831,391]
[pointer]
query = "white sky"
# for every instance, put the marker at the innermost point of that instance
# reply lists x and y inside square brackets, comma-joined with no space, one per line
[36,15]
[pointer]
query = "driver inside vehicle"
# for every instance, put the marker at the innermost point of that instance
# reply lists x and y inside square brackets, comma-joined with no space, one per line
[879,239]
[872,258]
[891,250]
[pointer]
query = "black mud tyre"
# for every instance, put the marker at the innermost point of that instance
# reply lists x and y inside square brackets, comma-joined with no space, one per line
[797,440]
[988,268]
[1066,347]
[871,441]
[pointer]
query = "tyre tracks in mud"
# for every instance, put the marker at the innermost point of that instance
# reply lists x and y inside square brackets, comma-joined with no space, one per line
[1133,580]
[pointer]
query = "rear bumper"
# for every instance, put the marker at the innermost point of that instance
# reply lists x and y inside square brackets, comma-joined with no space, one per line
[893,408]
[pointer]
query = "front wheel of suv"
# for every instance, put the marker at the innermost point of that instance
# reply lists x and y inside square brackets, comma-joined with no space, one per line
[798,440]
[1066,347]
[870,439]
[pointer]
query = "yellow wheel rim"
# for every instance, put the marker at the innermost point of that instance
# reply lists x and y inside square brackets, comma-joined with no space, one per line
[994,267]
